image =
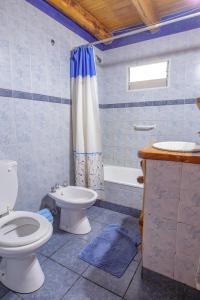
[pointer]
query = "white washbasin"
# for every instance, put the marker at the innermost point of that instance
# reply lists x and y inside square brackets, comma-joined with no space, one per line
[177,146]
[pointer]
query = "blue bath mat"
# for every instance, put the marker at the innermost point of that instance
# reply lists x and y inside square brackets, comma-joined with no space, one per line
[112,250]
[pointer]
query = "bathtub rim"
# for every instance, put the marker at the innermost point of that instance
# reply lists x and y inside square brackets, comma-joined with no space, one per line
[121,182]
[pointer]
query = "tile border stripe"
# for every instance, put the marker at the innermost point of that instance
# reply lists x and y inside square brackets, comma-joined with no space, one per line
[33,96]
[52,99]
[148,103]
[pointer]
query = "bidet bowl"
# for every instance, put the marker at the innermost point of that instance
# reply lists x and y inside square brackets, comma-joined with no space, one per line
[74,197]
[73,201]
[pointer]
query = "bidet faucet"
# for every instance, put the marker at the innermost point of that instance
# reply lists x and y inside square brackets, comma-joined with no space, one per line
[65,183]
[53,190]
[57,186]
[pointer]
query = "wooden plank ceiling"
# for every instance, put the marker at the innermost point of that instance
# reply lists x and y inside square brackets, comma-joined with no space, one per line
[103,17]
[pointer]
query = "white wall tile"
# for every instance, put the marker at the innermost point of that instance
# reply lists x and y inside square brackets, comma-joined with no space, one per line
[37,134]
[159,238]
[163,181]
[187,240]
[185,269]
[189,206]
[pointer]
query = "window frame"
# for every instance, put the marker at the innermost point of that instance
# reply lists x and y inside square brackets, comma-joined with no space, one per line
[149,63]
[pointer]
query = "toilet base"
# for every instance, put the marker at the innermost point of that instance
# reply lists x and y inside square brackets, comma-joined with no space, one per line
[21,275]
[74,221]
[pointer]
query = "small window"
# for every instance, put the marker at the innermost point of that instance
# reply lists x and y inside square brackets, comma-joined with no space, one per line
[148,76]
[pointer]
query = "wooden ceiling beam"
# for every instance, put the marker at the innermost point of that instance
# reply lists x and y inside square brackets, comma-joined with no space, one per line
[77,13]
[146,11]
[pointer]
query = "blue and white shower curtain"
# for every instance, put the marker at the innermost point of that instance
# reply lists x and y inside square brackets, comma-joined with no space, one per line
[85,120]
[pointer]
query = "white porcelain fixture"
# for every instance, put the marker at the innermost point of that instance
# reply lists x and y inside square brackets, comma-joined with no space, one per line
[177,146]
[74,201]
[122,175]
[21,234]
[126,190]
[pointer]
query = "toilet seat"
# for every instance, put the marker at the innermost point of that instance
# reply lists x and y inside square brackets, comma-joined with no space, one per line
[22,228]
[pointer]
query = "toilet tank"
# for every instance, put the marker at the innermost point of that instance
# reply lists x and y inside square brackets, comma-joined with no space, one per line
[8,185]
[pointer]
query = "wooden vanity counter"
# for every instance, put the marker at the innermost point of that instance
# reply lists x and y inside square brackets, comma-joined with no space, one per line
[155,154]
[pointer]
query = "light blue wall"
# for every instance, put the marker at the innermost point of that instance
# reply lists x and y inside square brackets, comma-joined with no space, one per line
[174,122]
[38,134]
[181,49]
[35,133]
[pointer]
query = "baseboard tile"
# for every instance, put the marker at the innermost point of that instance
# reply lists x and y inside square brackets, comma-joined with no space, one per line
[118,208]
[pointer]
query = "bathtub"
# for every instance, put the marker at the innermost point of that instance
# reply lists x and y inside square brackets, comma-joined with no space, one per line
[122,175]
[122,189]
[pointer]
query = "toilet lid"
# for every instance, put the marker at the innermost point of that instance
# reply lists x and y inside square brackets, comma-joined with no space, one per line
[21,228]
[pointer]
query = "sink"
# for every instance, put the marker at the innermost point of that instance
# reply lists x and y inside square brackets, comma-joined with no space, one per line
[177,146]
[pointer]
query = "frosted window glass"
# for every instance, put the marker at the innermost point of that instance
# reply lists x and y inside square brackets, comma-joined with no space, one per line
[150,75]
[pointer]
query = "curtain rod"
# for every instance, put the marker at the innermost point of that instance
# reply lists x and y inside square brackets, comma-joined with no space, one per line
[151,27]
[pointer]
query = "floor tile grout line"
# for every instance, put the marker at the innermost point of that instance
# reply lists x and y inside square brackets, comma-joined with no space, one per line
[132,278]
[87,279]
[79,275]
[90,280]
[48,256]
[82,275]
[72,235]
[73,284]
[67,267]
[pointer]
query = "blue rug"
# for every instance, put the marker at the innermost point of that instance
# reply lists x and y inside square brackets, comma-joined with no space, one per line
[112,250]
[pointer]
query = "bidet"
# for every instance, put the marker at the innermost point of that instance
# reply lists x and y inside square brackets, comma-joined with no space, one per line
[74,201]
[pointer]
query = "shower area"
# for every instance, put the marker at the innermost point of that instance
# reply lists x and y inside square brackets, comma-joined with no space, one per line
[103,162]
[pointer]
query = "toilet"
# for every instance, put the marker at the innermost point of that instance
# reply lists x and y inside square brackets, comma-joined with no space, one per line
[21,235]
[74,201]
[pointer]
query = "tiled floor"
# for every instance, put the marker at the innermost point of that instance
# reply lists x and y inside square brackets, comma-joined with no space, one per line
[69,278]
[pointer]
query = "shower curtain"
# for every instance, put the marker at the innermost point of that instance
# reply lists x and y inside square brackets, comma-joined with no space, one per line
[85,120]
